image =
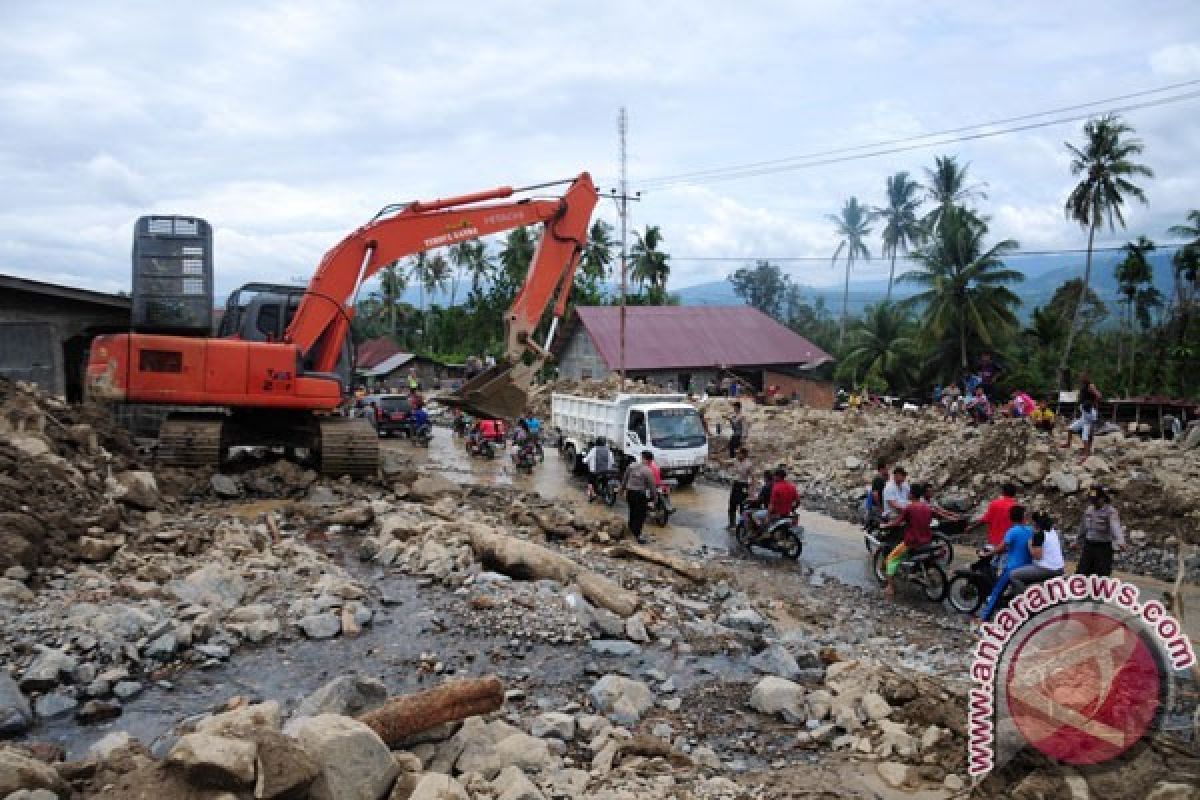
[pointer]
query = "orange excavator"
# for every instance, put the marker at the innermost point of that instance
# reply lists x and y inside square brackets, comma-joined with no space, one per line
[279,367]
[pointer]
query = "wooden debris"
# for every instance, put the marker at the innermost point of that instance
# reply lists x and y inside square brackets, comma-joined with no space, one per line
[688,570]
[407,715]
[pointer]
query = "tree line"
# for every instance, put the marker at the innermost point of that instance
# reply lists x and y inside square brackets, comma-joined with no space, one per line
[966,296]
[464,290]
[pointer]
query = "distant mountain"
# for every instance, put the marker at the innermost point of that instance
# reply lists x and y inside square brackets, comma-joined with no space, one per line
[1043,275]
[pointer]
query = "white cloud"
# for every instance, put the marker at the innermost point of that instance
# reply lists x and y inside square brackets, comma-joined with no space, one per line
[1176,60]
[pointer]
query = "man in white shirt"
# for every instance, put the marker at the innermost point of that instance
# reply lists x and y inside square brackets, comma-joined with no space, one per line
[1046,549]
[895,494]
[599,461]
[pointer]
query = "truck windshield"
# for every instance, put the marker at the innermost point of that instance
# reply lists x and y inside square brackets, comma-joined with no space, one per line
[676,428]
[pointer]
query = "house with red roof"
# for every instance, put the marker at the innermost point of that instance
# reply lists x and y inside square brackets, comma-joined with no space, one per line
[694,347]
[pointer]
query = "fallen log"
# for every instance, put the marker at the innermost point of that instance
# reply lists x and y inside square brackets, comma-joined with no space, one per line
[678,565]
[407,715]
[525,560]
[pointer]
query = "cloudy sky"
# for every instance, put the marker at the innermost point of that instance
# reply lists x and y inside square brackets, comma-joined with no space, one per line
[288,124]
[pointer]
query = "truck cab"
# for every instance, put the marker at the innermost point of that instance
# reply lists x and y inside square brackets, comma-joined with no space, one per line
[665,425]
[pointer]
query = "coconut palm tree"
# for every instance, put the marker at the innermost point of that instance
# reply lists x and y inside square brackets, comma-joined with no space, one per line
[901,228]
[466,257]
[853,226]
[515,258]
[881,345]
[1132,273]
[965,285]
[392,283]
[650,268]
[946,186]
[595,263]
[1105,162]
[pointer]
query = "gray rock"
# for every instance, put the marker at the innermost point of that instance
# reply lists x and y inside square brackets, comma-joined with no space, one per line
[1163,790]
[217,651]
[349,695]
[320,626]
[853,462]
[773,695]
[163,647]
[47,670]
[614,647]
[433,786]
[744,619]
[1064,482]
[19,771]
[893,773]
[635,629]
[776,660]
[15,714]
[55,704]
[513,784]
[555,724]
[354,762]
[225,486]
[96,549]
[127,689]
[214,586]
[430,487]
[108,744]
[14,594]
[517,749]
[32,794]
[216,761]
[243,722]
[138,489]
[875,706]
[607,623]
[622,699]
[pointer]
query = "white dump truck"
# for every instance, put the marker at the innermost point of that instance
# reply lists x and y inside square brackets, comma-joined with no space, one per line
[664,424]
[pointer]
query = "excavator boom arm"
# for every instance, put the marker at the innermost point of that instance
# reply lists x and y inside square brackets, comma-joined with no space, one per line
[322,320]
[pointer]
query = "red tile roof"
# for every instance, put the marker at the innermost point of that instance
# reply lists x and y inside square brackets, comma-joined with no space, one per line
[375,351]
[696,337]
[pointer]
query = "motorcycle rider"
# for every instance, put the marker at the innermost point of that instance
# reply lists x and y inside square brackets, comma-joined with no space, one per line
[1016,545]
[996,516]
[915,520]
[599,462]
[874,504]
[896,494]
[784,498]
[757,519]
[418,420]
[1046,550]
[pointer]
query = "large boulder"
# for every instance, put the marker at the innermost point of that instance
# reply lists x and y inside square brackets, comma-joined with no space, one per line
[283,769]
[47,670]
[138,489]
[216,761]
[21,538]
[433,786]
[428,488]
[14,594]
[517,749]
[349,695]
[354,762]
[213,585]
[622,699]
[19,771]
[774,695]
[15,714]
[513,784]
[243,721]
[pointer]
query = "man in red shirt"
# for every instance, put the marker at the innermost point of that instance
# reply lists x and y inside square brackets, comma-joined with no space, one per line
[916,519]
[784,497]
[996,516]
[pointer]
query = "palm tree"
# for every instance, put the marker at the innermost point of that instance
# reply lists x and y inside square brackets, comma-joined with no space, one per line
[392,283]
[465,256]
[650,267]
[946,186]
[966,294]
[880,344]
[515,258]
[901,228]
[852,226]
[1132,273]
[595,263]
[1104,161]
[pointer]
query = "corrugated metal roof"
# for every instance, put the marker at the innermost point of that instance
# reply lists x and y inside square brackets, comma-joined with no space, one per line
[389,364]
[696,337]
[373,351]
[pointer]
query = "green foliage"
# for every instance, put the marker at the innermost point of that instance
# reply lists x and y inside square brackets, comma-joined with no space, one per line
[651,268]
[901,228]
[764,287]
[853,227]
[882,346]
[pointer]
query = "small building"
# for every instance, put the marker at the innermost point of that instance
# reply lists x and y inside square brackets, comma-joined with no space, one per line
[382,365]
[45,331]
[694,347]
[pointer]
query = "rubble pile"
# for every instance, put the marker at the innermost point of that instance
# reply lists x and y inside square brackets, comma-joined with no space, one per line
[606,389]
[832,456]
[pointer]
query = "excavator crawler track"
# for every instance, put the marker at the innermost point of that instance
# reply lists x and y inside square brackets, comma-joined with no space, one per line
[191,440]
[348,447]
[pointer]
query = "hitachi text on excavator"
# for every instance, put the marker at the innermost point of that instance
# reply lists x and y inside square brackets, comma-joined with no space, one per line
[280,367]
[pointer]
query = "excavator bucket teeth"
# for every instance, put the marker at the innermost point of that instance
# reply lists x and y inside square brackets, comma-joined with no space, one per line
[498,392]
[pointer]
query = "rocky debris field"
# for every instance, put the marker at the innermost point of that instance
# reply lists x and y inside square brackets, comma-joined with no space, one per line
[317,608]
[607,389]
[832,456]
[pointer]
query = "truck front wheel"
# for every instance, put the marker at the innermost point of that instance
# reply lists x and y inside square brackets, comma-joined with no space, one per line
[688,479]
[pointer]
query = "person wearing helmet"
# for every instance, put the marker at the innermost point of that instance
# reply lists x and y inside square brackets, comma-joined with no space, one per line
[1100,534]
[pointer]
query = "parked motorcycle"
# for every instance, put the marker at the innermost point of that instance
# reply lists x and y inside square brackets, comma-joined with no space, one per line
[610,487]
[662,508]
[920,567]
[785,535]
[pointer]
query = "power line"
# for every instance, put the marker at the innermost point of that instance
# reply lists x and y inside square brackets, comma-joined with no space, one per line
[910,257]
[906,144]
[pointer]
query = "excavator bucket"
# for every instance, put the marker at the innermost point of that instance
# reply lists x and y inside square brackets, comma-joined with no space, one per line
[498,392]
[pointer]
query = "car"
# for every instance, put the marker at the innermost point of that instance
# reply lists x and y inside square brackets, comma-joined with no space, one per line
[393,413]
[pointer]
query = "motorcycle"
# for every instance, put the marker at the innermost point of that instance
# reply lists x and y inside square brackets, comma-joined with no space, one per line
[525,458]
[785,535]
[942,531]
[662,508]
[610,487]
[459,426]
[921,567]
[479,446]
[970,587]
[422,434]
